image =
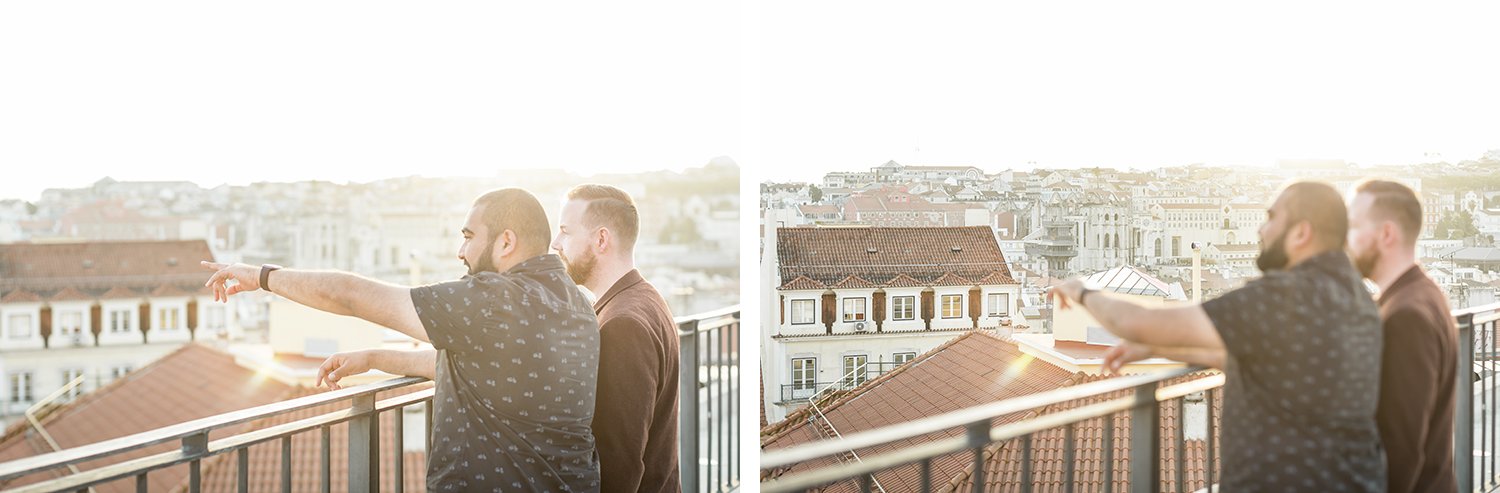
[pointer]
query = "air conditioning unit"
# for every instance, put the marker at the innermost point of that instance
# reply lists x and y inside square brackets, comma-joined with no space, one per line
[859,327]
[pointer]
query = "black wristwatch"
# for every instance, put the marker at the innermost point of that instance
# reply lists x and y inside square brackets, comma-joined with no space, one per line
[265,275]
[1081,294]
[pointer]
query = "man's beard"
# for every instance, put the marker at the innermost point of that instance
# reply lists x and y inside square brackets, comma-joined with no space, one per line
[483,263]
[1274,256]
[1366,263]
[581,270]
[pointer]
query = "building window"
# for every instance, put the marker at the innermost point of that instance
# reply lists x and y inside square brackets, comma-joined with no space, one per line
[119,321]
[999,304]
[856,369]
[67,377]
[169,318]
[903,308]
[18,326]
[903,358]
[216,317]
[119,371]
[20,387]
[802,312]
[854,309]
[70,323]
[804,373]
[953,306]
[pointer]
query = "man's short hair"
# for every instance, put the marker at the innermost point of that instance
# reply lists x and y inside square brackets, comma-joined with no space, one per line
[519,211]
[1396,203]
[1322,207]
[611,208]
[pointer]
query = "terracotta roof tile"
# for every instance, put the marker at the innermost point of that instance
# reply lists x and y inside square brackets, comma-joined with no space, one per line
[169,290]
[951,279]
[997,277]
[966,371]
[100,265]
[904,281]
[119,292]
[20,296]
[828,255]
[854,282]
[70,294]
[801,283]
[192,382]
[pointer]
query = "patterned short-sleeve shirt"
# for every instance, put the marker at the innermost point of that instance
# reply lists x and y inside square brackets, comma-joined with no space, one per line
[1303,380]
[517,364]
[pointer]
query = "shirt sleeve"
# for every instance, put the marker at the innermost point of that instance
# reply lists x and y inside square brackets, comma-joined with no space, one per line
[1252,317]
[448,311]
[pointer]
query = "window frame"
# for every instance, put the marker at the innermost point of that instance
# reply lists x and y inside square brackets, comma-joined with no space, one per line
[911,308]
[864,313]
[991,301]
[812,311]
[808,374]
[943,305]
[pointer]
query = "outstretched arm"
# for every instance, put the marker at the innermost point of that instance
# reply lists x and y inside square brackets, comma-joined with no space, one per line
[335,292]
[1178,326]
[1127,352]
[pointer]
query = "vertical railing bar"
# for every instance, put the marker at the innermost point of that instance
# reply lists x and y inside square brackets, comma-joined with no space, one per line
[364,446]
[979,437]
[926,475]
[1109,452]
[711,475]
[1026,463]
[734,403]
[142,485]
[243,455]
[864,483]
[1145,440]
[1487,468]
[687,422]
[327,452]
[286,464]
[1209,467]
[1489,328]
[398,430]
[1069,450]
[1181,454]
[724,406]
[1463,442]
[195,477]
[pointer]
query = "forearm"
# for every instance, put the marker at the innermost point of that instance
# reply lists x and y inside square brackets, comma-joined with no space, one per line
[329,291]
[420,363]
[1212,358]
[1113,313]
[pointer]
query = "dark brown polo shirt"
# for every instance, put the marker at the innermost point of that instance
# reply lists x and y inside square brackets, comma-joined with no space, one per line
[1417,383]
[635,415]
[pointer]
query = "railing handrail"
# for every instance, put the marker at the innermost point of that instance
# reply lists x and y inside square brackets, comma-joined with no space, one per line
[201,426]
[963,417]
[1481,314]
[731,311]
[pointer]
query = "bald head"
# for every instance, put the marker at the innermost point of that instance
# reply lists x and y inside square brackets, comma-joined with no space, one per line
[1321,207]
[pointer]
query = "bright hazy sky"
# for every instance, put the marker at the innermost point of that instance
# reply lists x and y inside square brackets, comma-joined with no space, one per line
[1123,84]
[357,91]
[217,92]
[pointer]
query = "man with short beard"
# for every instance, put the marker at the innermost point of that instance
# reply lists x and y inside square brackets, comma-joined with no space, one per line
[515,359]
[635,416]
[1420,361]
[1300,349]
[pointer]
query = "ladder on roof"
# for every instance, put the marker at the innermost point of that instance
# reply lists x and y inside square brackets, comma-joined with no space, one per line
[824,427]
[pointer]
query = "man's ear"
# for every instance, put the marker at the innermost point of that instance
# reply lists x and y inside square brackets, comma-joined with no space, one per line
[505,244]
[603,240]
[1300,235]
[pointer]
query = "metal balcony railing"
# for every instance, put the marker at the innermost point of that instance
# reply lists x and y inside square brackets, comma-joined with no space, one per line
[708,422]
[801,392]
[1476,423]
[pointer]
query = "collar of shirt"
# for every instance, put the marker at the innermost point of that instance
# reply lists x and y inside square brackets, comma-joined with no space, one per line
[1411,276]
[629,279]
[534,265]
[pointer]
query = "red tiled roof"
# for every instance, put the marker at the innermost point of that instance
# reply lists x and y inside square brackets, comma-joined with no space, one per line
[997,278]
[904,281]
[193,382]
[100,265]
[854,282]
[1003,466]
[119,292]
[19,296]
[802,282]
[951,279]
[221,472]
[70,294]
[169,290]
[972,369]
[828,255]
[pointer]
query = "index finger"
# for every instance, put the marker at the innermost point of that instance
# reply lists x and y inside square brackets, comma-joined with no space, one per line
[211,265]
